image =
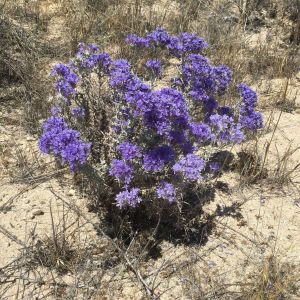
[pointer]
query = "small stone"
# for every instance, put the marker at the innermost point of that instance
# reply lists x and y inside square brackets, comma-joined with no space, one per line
[71,192]
[29,139]
[37,212]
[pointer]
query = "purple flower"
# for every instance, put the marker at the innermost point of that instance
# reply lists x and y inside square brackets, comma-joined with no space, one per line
[156,159]
[249,118]
[252,120]
[121,170]
[226,130]
[154,66]
[121,76]
[190,166]
[159,37]
[164,110]
[129,151]
[177,45]
[167,192]
[137,41]
[223,77]
[78,112]
[186,43]
[68,80]
[236,134]
[220,122]
[248,95]
[201,131]
[60,69]
[214,167]
[64,143]
[102,61]
[128,198]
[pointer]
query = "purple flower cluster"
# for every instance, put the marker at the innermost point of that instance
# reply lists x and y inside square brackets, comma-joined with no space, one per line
[128,198]
[129,151]
[155,67]
[121,76]
[164,110]
[249,118]
[190,167]
[167,192]
[67,81]
[121,170]
[225,129]
[90,58]
[201,131]
[177,45]
[203,81]
[78,112]
[64,143]
[156,159]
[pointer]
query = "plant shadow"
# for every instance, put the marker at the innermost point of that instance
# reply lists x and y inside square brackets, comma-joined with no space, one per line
[155,221]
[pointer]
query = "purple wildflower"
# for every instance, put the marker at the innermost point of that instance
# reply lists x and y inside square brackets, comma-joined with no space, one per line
[159,37]
[165,110]
[249,118]
[68,80]
[248,95]
[190,166]
[129,151]
[201,131]
[137,41]
[155,160]
[121,170]
[154,66]
[167,192]
[128,198]
[214,167]
[64,143]
[252,120]
[78,112]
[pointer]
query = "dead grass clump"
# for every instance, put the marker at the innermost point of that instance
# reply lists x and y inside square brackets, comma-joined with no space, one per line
[21,81]
[58,251]
[253,165]
[107,23]
[17,44]
[249,166]
[272,280]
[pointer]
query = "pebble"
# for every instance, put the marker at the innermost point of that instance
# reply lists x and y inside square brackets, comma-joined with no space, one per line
[37,212]
[71,192]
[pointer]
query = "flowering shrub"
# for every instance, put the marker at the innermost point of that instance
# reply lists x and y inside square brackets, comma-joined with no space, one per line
[162,139]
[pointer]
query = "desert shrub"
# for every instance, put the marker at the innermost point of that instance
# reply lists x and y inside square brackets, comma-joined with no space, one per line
[155,136]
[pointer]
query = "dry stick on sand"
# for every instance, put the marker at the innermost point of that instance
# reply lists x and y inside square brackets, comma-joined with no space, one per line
[150,293]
